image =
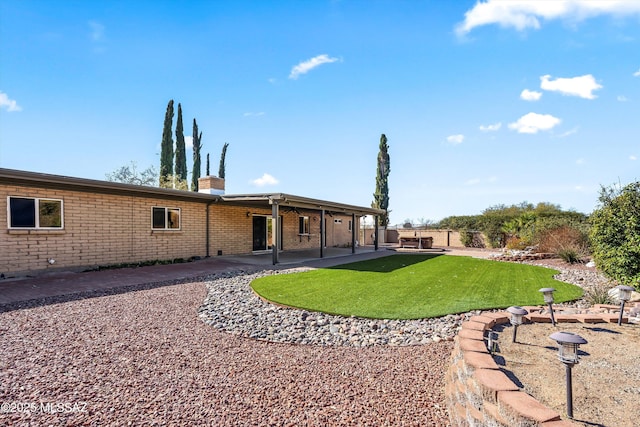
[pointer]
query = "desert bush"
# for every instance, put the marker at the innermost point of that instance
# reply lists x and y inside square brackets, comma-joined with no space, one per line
[598,294]
[516,243]
[569,255]
[567,242]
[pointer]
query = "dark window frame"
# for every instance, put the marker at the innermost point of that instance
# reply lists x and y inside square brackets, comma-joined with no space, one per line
[34,208]
[163,220]
[304,225]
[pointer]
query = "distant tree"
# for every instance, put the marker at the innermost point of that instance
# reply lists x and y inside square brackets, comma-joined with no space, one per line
[181,155]
[615,234]
[175,182]
[425,222]
[223,155]
[166,153]
[524,220]
[381,196]
[197,145]
[129,174]
[208,169]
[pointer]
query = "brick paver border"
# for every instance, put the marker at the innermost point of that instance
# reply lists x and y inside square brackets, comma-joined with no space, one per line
[478,392]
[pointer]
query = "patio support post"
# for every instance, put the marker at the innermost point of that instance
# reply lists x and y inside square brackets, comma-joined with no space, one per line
[322,234]
[353,233]
[375,232]
[276,231]
[207,238]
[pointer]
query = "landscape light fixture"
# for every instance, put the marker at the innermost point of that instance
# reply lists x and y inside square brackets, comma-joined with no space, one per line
[624,293]
[547,293]
[492,341]
[568,344]
[516,318]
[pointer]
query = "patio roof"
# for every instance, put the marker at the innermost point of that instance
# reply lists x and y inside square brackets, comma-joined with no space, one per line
[292,201]
[264,200]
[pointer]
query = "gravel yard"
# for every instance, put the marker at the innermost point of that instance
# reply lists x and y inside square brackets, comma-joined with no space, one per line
[145,358]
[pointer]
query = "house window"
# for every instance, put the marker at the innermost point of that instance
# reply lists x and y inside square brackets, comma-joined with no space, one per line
[350,225]
[337,221]
[27,212]
[165,218]
[304,225]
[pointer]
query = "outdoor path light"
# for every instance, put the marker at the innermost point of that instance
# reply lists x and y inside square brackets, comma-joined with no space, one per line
[624,293]
[548,298]
[516,318]
[568,354]
[492,341]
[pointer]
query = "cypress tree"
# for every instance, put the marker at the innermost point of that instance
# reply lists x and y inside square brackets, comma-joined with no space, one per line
[381,196]
[197,137]
[166,151]
[223,155]
[181,156]
[208,173]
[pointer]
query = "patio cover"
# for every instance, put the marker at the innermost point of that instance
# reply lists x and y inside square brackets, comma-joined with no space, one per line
[281,200]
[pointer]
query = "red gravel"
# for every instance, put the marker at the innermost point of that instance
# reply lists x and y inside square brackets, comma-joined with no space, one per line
[144,358]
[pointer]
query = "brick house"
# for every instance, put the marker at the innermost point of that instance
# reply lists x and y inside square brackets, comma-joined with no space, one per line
[63,222]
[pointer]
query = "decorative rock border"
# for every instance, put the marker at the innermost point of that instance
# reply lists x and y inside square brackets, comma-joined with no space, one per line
[477,390]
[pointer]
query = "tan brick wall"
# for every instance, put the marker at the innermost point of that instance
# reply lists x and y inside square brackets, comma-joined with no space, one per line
[441,238]
[106,229]
[338,233]
[99,229]
[232,229]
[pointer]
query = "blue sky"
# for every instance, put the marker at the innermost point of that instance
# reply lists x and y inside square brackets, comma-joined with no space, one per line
[483,103]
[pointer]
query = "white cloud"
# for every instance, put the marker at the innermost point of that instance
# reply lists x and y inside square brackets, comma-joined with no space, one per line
[8,104]
[252,114]
[264,180]
[97,36]
[569,132]
[97,31]
[622,98]
[491,128]
[530,95]
[476,181]
[308,65]
[580,161]
[455,139]
[637,73]
[523,14]
[534,122]
[633,157]
[581,86]
[188,142]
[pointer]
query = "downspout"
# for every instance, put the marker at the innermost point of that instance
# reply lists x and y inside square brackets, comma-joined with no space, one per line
[207,233]
[276,230]
[375,232]
[353,233]
[322,234]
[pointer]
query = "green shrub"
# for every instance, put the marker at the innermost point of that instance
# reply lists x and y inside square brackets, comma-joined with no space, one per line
[615,234]
[466,238]
[471,239]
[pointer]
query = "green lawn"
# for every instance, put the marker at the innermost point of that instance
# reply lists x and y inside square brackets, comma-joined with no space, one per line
[414,287]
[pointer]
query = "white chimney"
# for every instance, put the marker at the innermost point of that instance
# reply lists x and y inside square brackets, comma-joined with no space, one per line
[211,185]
